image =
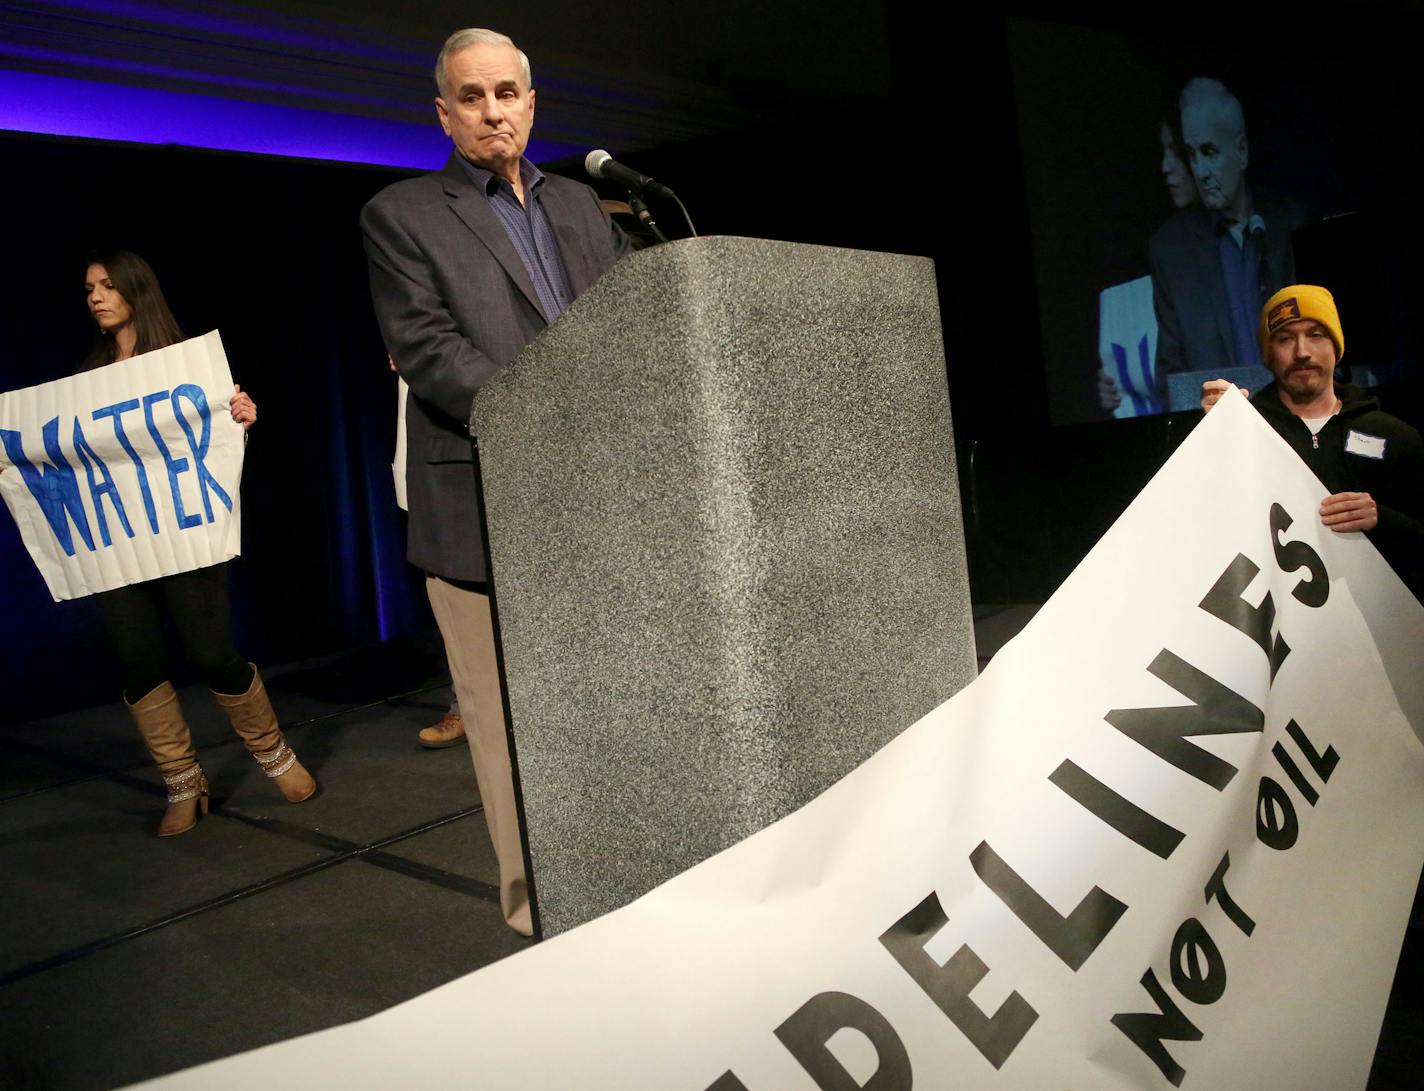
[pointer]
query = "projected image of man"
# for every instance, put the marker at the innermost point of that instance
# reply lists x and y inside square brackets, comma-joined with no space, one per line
[1214,265]
[1214,135]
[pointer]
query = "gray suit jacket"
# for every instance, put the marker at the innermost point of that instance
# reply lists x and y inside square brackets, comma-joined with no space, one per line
[455,305]
[1189,289]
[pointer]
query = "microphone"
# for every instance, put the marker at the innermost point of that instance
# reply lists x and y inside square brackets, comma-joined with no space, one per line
[600,164]
[1256,229]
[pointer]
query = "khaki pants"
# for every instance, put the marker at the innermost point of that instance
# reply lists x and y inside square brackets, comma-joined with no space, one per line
[464,620]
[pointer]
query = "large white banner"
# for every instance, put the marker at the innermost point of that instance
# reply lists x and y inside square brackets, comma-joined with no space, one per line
[127,472]
[1168,839]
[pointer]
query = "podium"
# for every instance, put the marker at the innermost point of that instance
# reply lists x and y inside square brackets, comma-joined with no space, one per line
[727,550]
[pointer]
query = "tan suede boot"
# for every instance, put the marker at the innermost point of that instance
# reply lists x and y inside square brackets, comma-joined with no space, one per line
[165,733]
[252,718]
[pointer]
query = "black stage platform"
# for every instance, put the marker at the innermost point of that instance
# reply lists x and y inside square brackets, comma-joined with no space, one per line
[125,957]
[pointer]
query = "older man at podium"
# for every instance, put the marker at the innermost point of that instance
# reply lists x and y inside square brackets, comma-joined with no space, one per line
[467,265]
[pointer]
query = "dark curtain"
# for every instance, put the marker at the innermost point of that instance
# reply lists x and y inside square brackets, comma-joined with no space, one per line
[267,251]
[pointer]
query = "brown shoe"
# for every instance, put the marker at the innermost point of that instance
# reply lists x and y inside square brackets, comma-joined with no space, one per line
[165,733]
[449,731]
[187,798]
[252,718]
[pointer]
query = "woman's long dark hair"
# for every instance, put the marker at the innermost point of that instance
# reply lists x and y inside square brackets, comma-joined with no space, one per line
[154,324]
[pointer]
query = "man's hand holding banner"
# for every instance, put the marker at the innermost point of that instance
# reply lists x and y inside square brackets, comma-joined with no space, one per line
[127,472]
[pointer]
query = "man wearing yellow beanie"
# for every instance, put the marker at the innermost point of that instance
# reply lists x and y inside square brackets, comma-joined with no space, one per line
[1372,462]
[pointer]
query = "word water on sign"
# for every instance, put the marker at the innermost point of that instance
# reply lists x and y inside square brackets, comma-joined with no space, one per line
[55,484]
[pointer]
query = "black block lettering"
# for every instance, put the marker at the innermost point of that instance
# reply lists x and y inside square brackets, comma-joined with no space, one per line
[1292,556]
[1216,888]
[1198,970]
[811,1025]
[1147,1031]
[1121,814]
[1072,938]
[1216,711]
[1276,824]
[1303,786]
[949,985]
[1323,764]
[1224,601]
[727,1081]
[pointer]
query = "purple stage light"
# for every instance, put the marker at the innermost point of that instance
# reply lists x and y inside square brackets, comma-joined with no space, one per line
[63,106]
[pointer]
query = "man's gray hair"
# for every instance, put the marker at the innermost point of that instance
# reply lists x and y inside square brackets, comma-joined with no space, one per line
[463,39]
[1202,92]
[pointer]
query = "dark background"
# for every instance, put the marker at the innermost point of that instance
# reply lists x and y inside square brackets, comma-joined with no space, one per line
[1331,130]
[268,251]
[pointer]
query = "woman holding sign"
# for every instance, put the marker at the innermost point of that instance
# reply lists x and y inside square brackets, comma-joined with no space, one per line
[133,318]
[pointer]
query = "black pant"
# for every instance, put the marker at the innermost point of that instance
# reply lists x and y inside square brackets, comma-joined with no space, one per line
[197,603]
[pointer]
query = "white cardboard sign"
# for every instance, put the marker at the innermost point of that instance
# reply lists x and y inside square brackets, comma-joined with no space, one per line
[127,472]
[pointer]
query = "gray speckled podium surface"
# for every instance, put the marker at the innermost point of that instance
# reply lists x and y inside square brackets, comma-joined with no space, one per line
[727,550]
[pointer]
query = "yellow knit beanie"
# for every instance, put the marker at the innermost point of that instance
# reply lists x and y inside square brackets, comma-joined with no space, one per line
[1296,301]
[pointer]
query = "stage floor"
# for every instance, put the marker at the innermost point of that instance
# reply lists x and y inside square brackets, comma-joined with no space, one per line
[125,957]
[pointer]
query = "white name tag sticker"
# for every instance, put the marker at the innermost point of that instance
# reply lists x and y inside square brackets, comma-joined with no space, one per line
[1364,444]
